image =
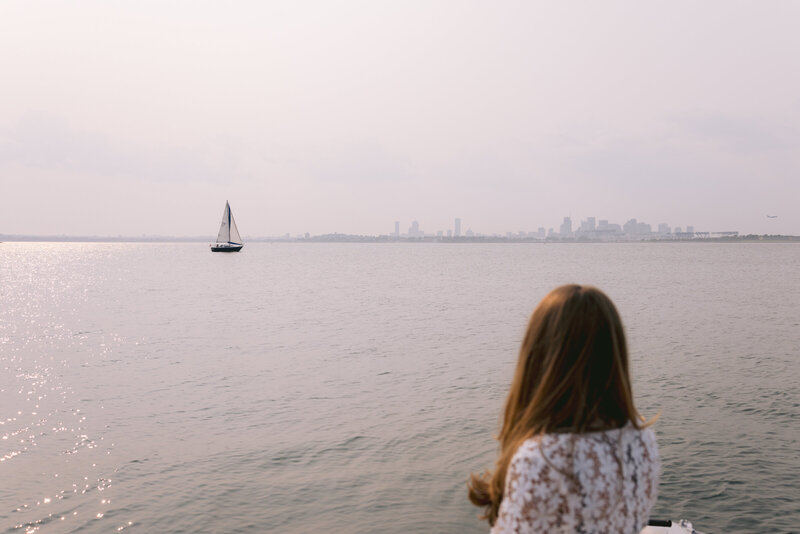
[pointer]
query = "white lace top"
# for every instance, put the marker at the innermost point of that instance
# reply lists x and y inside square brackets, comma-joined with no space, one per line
[591,483]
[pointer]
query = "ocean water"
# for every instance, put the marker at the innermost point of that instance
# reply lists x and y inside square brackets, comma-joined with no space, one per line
[353,387]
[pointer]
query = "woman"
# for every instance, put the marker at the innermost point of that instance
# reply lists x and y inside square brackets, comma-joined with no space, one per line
[575,456]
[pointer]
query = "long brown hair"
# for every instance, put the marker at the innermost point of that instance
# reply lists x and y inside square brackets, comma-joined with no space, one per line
[572,376]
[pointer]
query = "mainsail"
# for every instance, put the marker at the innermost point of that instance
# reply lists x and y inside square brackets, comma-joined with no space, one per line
[234,236]
[228,233]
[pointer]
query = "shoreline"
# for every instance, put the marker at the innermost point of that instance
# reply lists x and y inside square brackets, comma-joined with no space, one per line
[347,238]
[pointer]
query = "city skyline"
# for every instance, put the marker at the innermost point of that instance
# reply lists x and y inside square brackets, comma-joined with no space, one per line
[590,228]
[591,225]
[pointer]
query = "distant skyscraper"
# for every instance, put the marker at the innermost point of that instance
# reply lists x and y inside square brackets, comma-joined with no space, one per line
[397,228]
[566,227]
[414,230]
[690,229]
[457,232]
[604,226]
[588,225]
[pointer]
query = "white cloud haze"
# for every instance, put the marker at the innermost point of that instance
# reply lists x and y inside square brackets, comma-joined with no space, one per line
[144,117]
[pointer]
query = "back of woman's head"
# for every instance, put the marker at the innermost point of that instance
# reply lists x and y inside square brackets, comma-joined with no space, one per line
[572,375]
[572,372]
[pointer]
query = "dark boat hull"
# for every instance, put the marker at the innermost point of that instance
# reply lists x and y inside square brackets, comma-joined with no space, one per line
[226,248]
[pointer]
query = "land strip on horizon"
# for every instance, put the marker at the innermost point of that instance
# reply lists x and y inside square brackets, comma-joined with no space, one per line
[355,238]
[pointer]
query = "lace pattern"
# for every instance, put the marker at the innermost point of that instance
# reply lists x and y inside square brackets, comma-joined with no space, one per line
[597,482]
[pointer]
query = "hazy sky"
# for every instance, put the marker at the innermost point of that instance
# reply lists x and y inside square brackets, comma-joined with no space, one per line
[144,117]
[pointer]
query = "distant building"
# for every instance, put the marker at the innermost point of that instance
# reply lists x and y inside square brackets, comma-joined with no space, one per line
[449,233]
[604,226]
[566,227]
[636,228]
[397,228]
[458,227]
[691,234]
[663,228]
[414,231]
[541,233]
[470,233]
[588,225]
[606,231]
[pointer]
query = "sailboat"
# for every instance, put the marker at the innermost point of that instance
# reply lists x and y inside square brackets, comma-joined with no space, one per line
[228,239]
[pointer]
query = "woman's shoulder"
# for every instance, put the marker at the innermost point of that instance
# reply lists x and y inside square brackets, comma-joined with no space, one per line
[545,449]
[555,448]
[645,437]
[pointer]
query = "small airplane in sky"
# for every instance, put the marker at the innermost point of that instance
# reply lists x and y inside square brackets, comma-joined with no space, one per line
[772,216]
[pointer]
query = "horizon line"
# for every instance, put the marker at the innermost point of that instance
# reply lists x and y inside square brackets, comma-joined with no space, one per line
[332,237]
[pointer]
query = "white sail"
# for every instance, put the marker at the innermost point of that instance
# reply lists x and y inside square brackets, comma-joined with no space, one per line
[225,227]
[233,232]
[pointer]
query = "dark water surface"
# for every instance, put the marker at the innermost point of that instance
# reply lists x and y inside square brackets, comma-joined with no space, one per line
[353,387]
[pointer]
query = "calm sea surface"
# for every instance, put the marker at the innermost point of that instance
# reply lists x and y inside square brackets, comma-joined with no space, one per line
[353,387]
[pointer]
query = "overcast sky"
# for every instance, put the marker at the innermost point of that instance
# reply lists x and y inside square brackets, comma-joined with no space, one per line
[341,116]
